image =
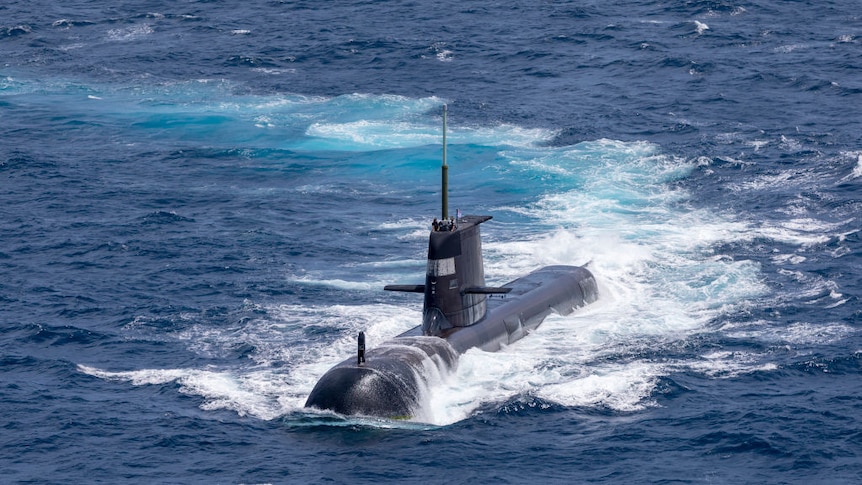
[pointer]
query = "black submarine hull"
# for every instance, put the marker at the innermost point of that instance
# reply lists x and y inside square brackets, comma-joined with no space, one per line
[393,381]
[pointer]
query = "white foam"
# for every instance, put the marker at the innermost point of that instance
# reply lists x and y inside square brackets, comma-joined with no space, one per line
[788,258]
[556,363]
[857,170]
[802,232]
[796,334]
[624,387]
[388,134]
[365,134]
[71,47]
[413,264]
[441,52]
[407,229]
[757,144]
[339,283]
[727,364]
[273,71]
[130,33]
[247,394]
[801,228]
[445,55]
[788,48]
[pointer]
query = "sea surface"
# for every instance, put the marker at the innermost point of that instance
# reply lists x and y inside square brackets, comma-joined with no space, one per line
[200,202]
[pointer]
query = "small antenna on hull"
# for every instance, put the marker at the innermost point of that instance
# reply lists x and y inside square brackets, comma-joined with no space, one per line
[360,355]
[445,168]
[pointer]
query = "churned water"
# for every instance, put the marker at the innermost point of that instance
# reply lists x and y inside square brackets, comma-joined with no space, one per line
[201,202]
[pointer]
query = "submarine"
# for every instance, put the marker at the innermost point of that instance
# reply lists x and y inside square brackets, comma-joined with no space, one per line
[460,312]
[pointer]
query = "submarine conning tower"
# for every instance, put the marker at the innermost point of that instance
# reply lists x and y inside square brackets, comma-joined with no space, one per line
[455,292]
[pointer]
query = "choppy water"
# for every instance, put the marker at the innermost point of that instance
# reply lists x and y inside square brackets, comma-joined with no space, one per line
[201,203]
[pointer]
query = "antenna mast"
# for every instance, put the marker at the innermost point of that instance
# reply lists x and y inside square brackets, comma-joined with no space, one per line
[445,168]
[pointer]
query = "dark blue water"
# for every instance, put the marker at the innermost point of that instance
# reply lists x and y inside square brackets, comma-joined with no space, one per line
[201,201]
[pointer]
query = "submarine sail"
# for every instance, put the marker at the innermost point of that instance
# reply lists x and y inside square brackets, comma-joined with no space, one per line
[389,380]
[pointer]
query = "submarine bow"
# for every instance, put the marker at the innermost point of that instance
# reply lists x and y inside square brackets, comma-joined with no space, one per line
[391,383]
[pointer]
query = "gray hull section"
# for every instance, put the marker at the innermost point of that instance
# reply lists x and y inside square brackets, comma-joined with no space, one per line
[392,381]
[553,289]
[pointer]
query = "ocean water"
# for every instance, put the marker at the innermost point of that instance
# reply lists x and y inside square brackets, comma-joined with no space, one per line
[201,201]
